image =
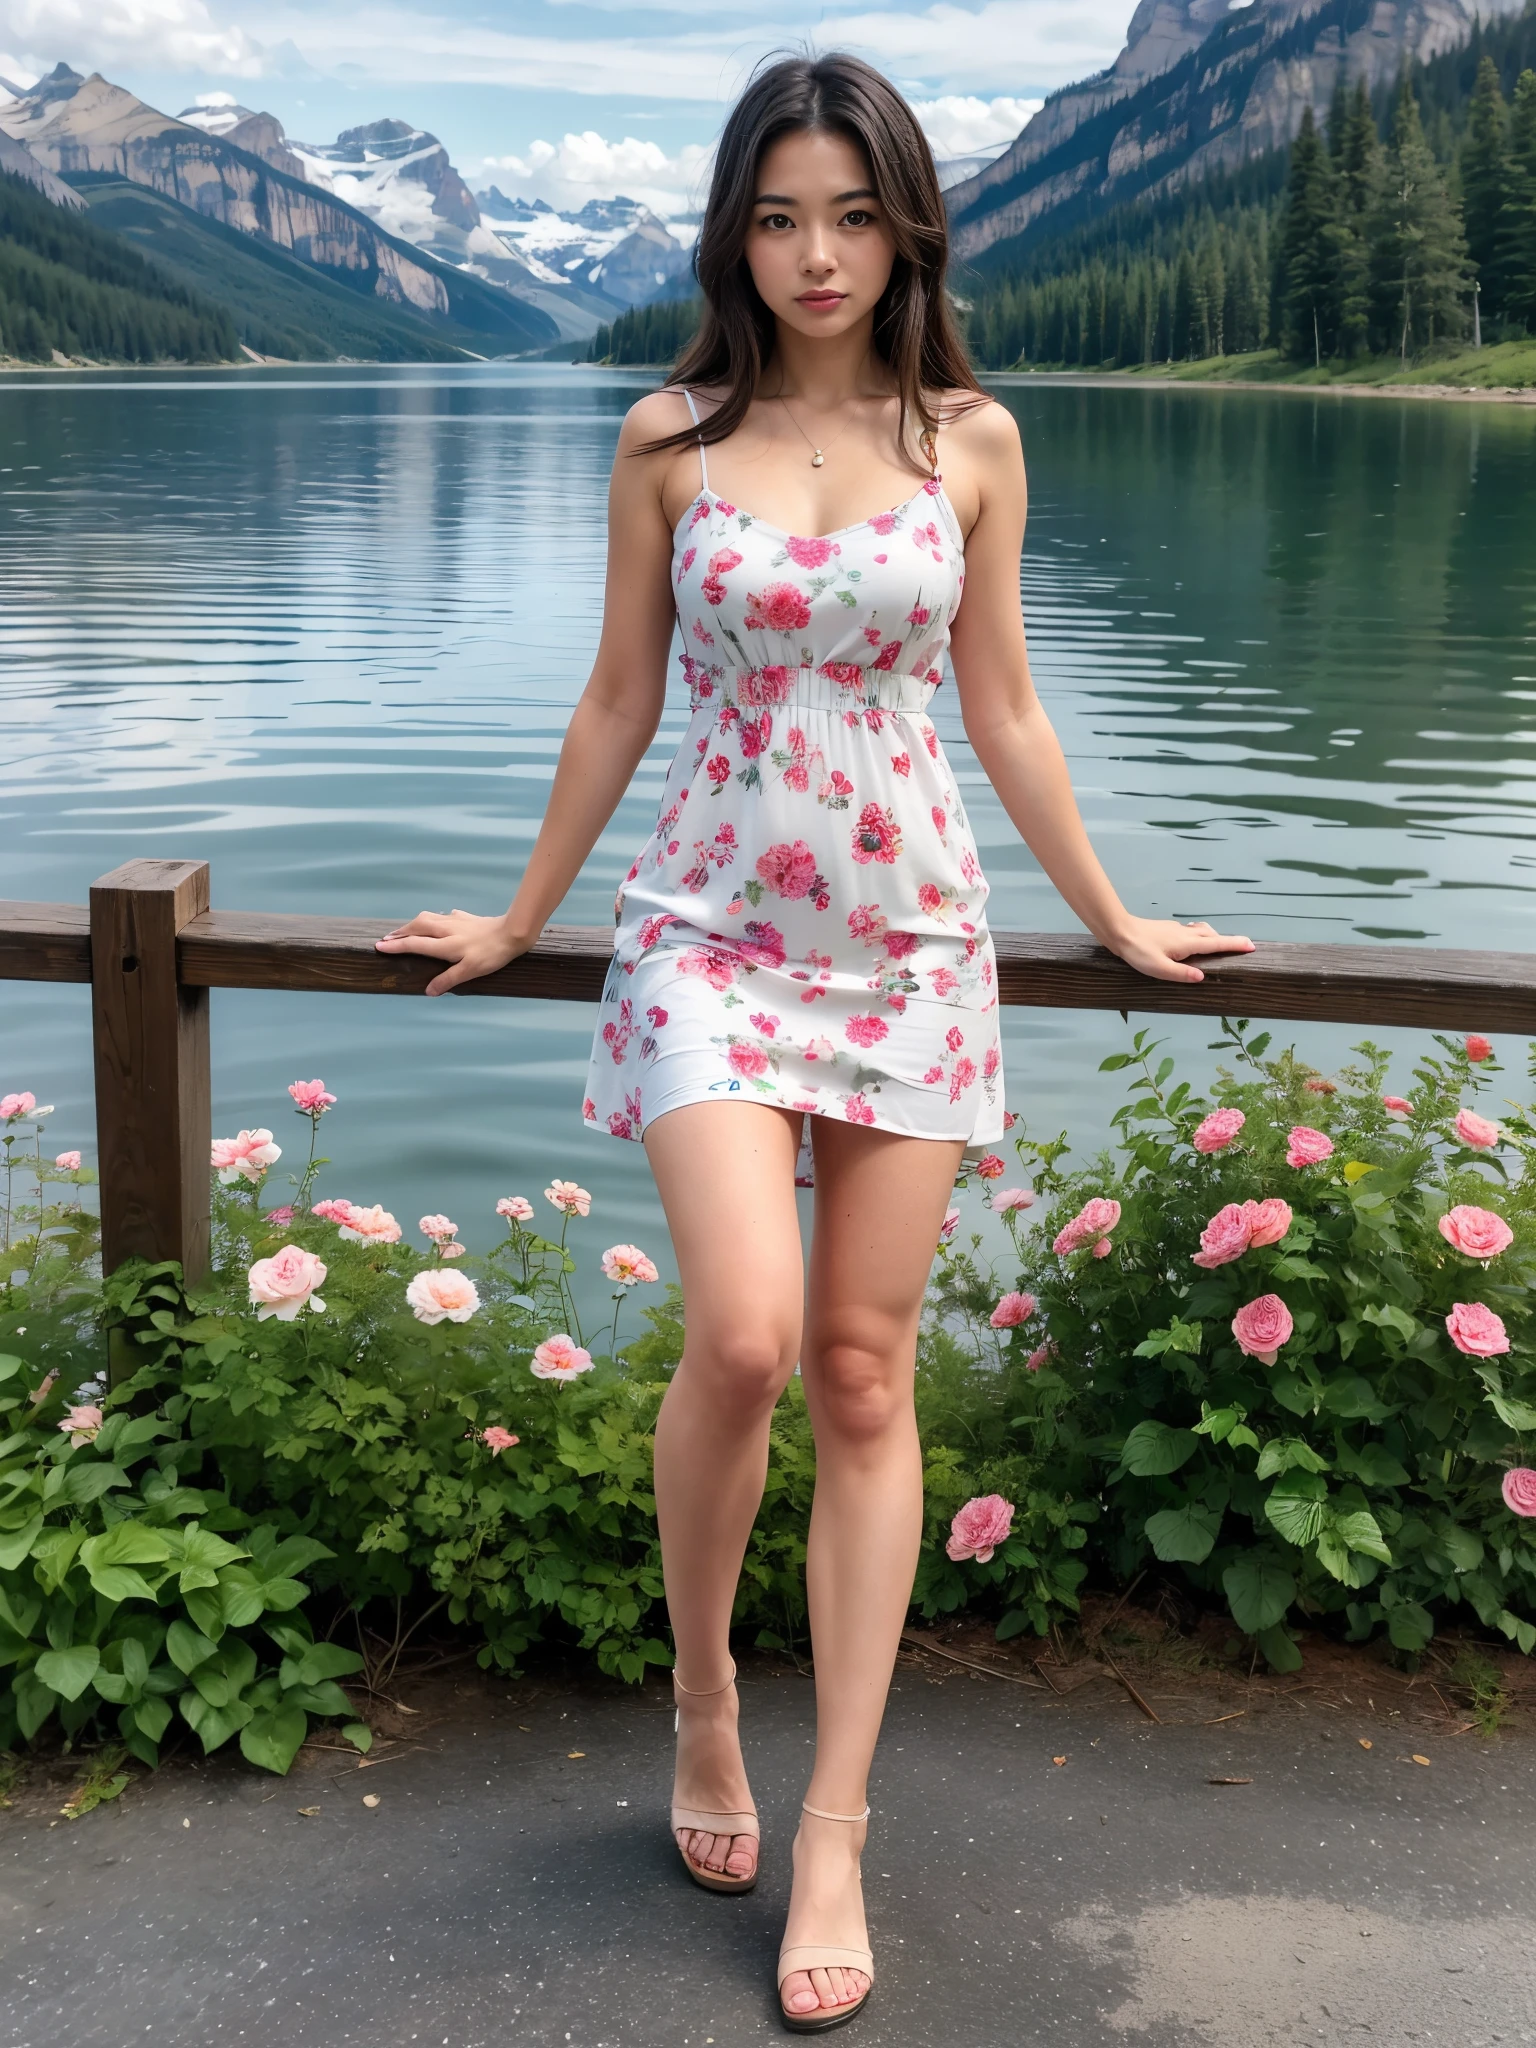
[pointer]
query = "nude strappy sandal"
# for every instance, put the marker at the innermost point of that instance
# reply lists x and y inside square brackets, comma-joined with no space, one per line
[813,1956]
[709,1820]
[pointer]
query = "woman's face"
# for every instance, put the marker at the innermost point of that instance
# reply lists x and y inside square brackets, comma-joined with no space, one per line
[819,247]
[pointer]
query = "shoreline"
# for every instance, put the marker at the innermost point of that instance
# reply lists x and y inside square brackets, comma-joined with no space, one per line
[1492,394]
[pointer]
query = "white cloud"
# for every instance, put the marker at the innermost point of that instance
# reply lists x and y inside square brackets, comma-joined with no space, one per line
[567,173]
[170,35]
[962,125]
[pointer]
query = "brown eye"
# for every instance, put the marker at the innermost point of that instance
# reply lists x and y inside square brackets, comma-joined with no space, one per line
[776,220]
[858,217]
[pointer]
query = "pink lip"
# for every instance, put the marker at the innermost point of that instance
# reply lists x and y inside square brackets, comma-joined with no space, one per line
[822,298]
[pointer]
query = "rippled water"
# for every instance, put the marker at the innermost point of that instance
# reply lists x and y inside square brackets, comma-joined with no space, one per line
[324,630]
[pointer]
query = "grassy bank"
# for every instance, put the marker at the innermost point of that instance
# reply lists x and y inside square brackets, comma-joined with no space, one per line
[1505,370]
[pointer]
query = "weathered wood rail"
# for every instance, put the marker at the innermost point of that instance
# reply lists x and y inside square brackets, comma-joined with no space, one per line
[151,948]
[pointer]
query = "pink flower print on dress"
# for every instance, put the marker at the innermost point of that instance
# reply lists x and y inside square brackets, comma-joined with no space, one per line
[788,870]
[1475,1130]
[750,1061]
[876,837]
[616,1036]
[718,770]
[930,898]
[766,1024]
[902,763]
[848,675]
[963,1077]
[865,1031]
[1306,1147]
[979,1528]
[755,735]
[928,537]
[919,615]
[1012,1310]
[954,1038]
[858,1111]
[773,685]
[836,791]
[1519,1490]
[901,945]
[1261,1326]
[761,944]
[808,554]
[777,608]
[867,922]
[1216,1131]
[882,523]
[1479,1233]
[940,819]
[887,657]
[721,563]
[686,563]
[1474,1329]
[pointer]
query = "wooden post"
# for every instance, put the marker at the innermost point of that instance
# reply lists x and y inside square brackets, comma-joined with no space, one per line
[153,1107]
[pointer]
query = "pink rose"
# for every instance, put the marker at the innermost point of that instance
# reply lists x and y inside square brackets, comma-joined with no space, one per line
[437,1227]
[949,1226]
[990,1167]
[566,1196]
[1306,1147]
[69,1162]
[980,1526]
[1519,1490]
[1038,1357]
[246,1157]
[1097,1216]
[1267,1221]
[311,1097]
[82,1422]
[440,1294]
[1477,1232]
[1103,1248]
[560,1358]
[1397,1105]
[1012,1198]
[282,1217]
[334,1210]
[14,1106]
[788,869]
[1012,1310]
[1217,1130]
[1476,1330]
[496,1439]
[1226,1237]
[515,1208]
[285,1283]
[1478,1047]
[373,1225]
[1476,1130]
[627,1264]
[1261,1326]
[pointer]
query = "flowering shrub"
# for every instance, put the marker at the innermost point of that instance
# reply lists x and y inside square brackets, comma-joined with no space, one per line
[1288,1338]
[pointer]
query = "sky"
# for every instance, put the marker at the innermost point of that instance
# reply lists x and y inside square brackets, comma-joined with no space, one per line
[562,99]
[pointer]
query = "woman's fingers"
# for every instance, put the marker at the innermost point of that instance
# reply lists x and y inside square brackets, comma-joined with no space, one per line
[436,949]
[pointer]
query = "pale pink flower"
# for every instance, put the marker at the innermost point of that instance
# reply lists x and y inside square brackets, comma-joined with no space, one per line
[1475,1329]
[1316,1085]
[496,1439]
[1519,1490]
[374,1225]
[626,1264]
[1397,1105]
[1268,1221]
[1478,1047]
[438,1228]
[979,1527]
[452,1251]
[567,1197]
[284,1284]
[1216,1131]
[68,1161]
[13,1106]
[1477,1232]
[82,1422]
[1306,1147]
[311,1097]
[282,1217]
[560,1358]
[1261,1326]
[1103,1248]
[439,1294]
[1012,1198]
[44,1388]
[1012,1310]
[1476,1130]
[246,1157]
[334,1210]
[516,1208]
[949,1226]
[1097,1216]
[1226,1237]
[1038,1356]
[990,1167]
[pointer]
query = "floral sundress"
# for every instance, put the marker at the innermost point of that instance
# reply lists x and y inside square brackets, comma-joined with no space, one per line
[806,926]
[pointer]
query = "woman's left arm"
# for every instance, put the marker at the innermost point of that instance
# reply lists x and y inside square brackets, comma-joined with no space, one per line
[1006,723]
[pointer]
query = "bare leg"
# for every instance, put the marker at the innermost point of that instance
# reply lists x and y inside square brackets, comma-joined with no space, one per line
[880,1200]
[726,1175]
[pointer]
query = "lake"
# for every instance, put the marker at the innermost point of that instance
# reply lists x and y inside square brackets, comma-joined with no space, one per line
[323,628]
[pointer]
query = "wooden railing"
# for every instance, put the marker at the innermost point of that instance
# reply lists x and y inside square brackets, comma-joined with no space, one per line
[151,948]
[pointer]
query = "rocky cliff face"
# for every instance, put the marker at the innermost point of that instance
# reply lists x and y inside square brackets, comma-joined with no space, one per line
[1200,84]
[21,163]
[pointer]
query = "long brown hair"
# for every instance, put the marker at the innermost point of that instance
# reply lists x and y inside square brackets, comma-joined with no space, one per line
[914,330]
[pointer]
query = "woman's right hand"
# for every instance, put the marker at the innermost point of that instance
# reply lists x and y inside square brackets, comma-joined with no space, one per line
[473,946]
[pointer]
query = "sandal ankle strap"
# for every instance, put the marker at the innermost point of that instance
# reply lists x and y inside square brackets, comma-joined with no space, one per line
[708,1692]
[821,1814]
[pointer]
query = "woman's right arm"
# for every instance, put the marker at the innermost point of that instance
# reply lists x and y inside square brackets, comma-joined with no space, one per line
[613,724]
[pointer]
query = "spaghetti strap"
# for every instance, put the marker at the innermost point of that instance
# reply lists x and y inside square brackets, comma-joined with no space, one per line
[693,412]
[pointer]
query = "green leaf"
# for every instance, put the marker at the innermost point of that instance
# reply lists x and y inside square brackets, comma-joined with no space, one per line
[152,1716]
[9,1365]
[1361,1531]
[320,1661]
[1259,1593]
[120,1582]
[1517,1414]
[187,1647]
[1153,1449]
[1295,1507]
[214,1725]
[1410,1626]
[325,1698]
[125,1543]
[1184,1535]
[1287,1454]
[17,1544]
[1388,1316]
[272,1739]
[84,1483]
[1464,1547]
[359,1734]
[1353,1397]
[1372,1464]
[1280,1651]
[68,1672]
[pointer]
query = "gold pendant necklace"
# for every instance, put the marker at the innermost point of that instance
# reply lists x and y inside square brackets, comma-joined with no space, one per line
[818,455]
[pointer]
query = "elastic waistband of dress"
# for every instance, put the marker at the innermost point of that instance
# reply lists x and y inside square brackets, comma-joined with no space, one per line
[850,686]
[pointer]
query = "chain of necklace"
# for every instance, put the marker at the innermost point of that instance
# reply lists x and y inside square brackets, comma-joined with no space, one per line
[818,455]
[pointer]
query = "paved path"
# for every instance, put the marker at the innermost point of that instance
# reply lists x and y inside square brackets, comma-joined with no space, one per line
[503,1891]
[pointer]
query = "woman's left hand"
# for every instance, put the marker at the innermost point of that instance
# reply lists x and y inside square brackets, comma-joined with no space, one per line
[1161,947]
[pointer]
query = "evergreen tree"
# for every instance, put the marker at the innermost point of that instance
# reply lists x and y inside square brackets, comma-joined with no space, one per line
[1516,235]
[1307,248]
[1418,250]
[1485,180]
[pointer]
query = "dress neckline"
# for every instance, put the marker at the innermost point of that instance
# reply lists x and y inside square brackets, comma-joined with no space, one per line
[854,526]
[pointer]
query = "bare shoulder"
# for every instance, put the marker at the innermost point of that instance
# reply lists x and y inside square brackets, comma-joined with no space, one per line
[983,430]
[652,417]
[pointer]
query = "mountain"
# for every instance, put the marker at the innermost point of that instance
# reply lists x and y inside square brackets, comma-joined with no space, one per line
[616,246]
[19,161]
[82,127]
[1201,85]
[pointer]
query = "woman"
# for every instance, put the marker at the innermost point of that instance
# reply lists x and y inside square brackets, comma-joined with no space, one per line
[802,944]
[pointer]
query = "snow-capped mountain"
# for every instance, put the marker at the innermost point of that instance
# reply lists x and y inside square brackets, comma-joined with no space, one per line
[616,245]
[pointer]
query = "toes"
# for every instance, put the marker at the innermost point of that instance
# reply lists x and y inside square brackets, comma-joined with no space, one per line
[799,1995]
[715,1855]
[742,1860]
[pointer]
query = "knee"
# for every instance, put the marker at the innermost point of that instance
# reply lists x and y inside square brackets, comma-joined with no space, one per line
[743,1371]
[861,1393]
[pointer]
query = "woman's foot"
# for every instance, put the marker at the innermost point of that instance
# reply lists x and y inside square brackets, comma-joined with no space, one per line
[826,1910]
[710,1778]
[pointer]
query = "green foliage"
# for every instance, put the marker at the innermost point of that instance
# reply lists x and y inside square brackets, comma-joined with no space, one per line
[653,334]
